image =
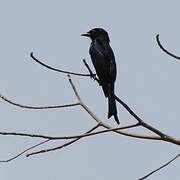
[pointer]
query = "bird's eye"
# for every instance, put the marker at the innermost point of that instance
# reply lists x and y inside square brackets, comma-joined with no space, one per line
[93,31]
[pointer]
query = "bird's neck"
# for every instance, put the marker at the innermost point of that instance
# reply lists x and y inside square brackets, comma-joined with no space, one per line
[102,39]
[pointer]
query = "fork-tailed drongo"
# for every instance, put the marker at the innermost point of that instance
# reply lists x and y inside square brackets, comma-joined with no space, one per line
[104,62]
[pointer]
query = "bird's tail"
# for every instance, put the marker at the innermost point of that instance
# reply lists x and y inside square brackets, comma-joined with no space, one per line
[112,109]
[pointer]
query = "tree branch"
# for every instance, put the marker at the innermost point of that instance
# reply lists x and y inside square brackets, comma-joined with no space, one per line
[165,50]
[139,119]
[161,167]
[63,145]
[37,107]
[92,75]
[55,69]
[15,157]
[67,137]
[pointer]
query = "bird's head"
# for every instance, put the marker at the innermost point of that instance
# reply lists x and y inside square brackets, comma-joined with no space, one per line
[96,33]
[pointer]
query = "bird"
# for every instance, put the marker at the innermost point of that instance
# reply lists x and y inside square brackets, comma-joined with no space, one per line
[103,59]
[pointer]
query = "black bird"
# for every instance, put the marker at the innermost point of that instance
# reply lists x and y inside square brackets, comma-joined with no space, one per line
[104,62]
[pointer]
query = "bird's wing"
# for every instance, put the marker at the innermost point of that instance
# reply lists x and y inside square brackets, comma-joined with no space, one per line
[103,60]
[104,63]
[110,60]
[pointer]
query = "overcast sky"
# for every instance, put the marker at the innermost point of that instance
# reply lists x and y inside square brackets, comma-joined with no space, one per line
[147,80]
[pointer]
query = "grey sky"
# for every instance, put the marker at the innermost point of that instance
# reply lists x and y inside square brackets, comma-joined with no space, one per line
[147,81]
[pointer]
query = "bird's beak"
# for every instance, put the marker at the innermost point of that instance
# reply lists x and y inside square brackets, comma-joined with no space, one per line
[86,34]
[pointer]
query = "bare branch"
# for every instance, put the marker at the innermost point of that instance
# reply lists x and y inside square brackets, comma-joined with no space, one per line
[55,69]
[37,107]
[138,118]
[161,167]
[165,50]
[135,135]
[63,145]
[67,137]
[82,104]
[163,136]
[32,147]
[90,71]
[74,89]
[30,135]
[128,109]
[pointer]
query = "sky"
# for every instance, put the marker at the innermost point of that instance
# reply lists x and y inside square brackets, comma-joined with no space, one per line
[147,80]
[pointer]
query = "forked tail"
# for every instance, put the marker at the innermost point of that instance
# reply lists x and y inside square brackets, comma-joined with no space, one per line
[112,109]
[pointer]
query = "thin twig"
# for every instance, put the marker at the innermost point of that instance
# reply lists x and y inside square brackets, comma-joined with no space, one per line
[67,137]
[165,50]
[63,145]
[55,69]
[37,107]
[74,89]
[161,167]
[82,104]
[90,71]
[32,147]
